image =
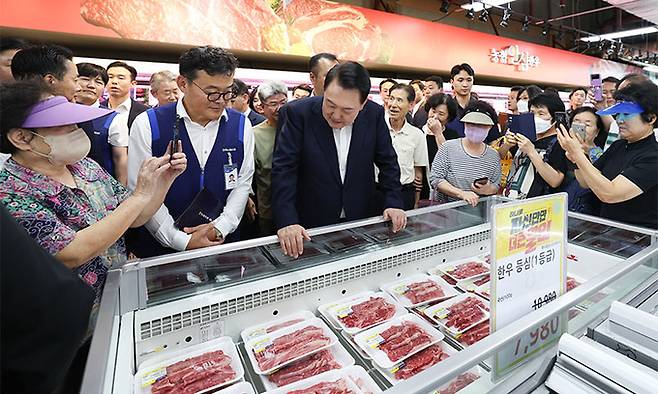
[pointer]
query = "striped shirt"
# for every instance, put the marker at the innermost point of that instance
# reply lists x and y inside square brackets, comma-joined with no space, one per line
[453,164]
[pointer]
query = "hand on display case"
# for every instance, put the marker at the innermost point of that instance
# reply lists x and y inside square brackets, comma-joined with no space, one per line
[470,197]
[397,217]
[292,239]
[203,236]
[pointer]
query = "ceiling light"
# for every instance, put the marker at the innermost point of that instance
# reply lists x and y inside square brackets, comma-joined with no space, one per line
[601,45]
[526,24]
[478,6]
[622,34]
[470,14]
[445,6]
[506,15]
[484,16]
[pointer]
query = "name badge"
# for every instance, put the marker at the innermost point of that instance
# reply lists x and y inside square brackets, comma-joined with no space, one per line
[230,176]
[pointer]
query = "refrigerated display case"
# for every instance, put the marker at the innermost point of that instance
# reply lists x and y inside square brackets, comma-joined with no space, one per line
[156,307]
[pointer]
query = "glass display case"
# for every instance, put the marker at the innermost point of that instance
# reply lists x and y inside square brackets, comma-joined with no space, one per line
[155,308]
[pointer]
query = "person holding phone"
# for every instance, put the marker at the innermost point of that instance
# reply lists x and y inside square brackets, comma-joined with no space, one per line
[539,167]
[467,168]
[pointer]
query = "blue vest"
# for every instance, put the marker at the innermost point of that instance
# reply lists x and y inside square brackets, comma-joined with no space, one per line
[101,151]
[230,138]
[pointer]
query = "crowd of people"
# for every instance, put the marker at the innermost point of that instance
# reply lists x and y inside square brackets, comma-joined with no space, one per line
[94,176]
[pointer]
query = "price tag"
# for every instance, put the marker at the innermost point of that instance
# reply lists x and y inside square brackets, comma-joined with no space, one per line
[153,376]
[528,271]
[261,345]
[375,340]
[343,311]
[401,289]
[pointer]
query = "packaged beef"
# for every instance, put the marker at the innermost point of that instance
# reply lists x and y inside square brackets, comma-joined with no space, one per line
[397,339]
[420,289]
[358,314]
[459,383]
[572,283]
[330,382]
[460,313]
[362,380]
[339,386]
[284,346]
[475,284]
[465,269]
[197,369]
[258,330]
[420,361]
[474,334]
[341,240]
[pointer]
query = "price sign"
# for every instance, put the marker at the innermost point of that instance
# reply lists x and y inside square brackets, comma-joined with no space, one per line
[528,271]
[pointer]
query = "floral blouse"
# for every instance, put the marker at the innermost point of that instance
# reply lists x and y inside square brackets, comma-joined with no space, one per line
[52,213]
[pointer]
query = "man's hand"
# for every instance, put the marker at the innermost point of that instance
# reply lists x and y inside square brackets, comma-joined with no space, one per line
[397,217]
[470,198]
[203,236]
[292,239]
[251,210]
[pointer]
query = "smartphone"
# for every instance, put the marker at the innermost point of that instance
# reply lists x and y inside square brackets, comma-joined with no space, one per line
[595,83]
[175,138]
[561,118]
[579,129]
[481,181]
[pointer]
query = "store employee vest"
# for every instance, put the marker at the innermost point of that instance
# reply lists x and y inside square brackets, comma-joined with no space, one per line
[101,151]
[230,138]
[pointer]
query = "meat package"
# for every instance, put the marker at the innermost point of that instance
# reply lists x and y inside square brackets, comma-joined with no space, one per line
[474,334]
[287,345]
[470,285]
[197,369]
[465,269]
[234,265]
[258,330]
[397,339]
[325,309]
[356,315]
[460,382]
[341,240]
[420,289]
[382,232]
[335,357]
[334,382]
[572,283]
[363,381]
[238,388]
[170,277]
[421,361]
[460,313]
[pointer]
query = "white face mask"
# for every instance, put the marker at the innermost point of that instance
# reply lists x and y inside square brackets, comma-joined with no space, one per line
[66,149]
[542,125]
[522,106]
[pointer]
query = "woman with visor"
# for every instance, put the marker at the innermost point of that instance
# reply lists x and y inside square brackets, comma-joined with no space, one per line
[625,177]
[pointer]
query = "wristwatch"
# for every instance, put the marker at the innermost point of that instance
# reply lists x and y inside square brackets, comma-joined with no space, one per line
[218,234]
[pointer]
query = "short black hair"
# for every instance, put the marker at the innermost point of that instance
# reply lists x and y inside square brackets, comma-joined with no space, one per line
[304,87]
[644,93]
[632,77]
[611,79]
[577,89]
[436,79]
[350,75]
[456,69]
[549,100]
[411,93]
[8,43]
[39,61]
[441,98]
[212,60]
[602,136]
[484,107]
[516,88]
[417,82]
[16,100]
[315,60]
[551,90]
[252,96]
[91,70]
[239,87]
[389,80]
[131,69]
[533,91]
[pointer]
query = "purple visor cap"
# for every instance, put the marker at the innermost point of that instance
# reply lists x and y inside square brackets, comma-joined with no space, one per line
[624,107]
[58,111]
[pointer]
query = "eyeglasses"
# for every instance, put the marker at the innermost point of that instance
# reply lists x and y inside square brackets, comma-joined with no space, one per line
[276,105]
[215,96]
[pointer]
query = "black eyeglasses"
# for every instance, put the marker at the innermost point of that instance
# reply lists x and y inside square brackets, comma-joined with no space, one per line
[215,96]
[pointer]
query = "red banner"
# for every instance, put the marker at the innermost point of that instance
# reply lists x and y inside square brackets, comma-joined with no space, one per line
[305,27]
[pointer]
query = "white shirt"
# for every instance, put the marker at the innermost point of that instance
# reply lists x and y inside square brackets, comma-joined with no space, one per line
[411,148]
[161,225]
[118,133]
[416,107]
[343,137]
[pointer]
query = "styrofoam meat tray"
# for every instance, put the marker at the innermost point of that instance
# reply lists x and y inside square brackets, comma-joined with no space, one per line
[261,343]
[439,312]
[450,267]
[362,379]
[370,340]
[238,388]
[324,308]
[156,368]
[389,373]
[258,330]
[341,355]
[469,285]
[399,288]
[329,376]
[342,310]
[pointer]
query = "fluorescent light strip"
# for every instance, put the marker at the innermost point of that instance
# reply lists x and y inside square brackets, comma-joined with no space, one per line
[478,6]
[621,34]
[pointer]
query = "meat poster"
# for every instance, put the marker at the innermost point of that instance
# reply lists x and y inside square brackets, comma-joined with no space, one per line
[301,28]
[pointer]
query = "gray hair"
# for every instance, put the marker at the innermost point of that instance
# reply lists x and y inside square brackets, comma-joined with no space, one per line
[270,88]
[159,77]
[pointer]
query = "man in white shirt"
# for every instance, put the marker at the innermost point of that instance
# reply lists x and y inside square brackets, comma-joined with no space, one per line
[220,144]
[241,102]
[409,144]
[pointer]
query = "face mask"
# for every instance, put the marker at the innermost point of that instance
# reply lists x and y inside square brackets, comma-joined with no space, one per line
[66,149]
[541,125]
[475,133]
[522,106]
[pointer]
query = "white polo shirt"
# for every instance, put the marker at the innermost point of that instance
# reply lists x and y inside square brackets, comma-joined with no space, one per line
[411,147]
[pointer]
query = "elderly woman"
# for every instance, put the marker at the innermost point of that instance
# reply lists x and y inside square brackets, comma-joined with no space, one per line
[65,201]
[625,177]
[466,168]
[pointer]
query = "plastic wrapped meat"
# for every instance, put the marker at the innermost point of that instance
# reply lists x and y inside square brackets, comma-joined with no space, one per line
[235,265]
[339,386]
[571,283]
[342,240]
[291,346]
[368,313]
[421,361]
[195,374]
[173,276]
[469,270]
[400,340]
[449,279]
[427,290]
[465,313]
[461,382]
[312,365]
[475,334]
